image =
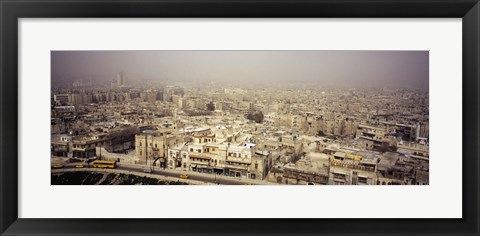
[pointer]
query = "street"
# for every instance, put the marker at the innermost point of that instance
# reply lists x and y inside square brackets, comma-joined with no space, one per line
[208,178]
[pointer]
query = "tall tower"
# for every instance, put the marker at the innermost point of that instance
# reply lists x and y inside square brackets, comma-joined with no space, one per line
[120,79]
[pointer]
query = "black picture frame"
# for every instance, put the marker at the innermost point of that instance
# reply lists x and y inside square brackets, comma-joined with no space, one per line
[11,11]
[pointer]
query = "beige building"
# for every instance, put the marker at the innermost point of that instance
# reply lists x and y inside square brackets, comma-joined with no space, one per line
[374,134]
[261,164]
[207,155]
[415,150]
[310,170]
[84,146]
[151,146]
[178,158]
[350,170]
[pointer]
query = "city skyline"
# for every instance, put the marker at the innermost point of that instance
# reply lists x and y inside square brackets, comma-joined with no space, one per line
[376,69]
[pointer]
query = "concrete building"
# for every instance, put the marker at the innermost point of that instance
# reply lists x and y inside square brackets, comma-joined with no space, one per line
[348,170]
[63,99]
[310,170]
[151,146]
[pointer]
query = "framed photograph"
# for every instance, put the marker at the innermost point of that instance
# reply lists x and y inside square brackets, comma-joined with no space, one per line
[255,118]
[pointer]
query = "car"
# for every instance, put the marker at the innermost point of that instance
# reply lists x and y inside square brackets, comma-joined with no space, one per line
[148,170]
[184,176]
[247,184]
[57,166]
[80,166]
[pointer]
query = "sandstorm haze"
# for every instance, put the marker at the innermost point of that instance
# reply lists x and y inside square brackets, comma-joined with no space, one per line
[240,118]
[392,69]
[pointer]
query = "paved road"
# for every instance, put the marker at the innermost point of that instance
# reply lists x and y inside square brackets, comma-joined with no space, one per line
[217,179]
[192,175]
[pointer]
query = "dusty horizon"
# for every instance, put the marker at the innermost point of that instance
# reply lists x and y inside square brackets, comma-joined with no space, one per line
[400,69]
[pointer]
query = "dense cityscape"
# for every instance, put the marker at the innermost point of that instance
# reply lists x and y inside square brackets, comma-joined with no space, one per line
[257,135]
[240,117]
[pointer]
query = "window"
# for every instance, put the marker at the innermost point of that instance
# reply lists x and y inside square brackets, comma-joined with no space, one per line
[140,144]
[155,145]
[239,155]
[191,149]
[362,180]
[338,176]
[256,165]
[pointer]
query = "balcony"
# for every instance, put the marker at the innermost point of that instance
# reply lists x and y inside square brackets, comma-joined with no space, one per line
[239,160]
[80,149]
[238,167]
[199,163]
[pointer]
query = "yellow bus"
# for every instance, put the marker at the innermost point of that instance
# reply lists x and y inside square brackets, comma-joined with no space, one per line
[354,157]
[104,164]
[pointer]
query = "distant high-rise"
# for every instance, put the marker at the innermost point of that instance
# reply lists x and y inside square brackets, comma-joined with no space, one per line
[120,79]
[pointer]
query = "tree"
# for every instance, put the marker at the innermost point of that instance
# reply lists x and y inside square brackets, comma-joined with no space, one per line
[210,106]
[256,116]
[124,135]
[385,147]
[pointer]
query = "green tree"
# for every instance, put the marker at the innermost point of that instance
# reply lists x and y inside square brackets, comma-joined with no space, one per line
[210,106]
[256,116]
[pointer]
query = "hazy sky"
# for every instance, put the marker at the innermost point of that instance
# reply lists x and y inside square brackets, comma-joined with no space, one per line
[405,69]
